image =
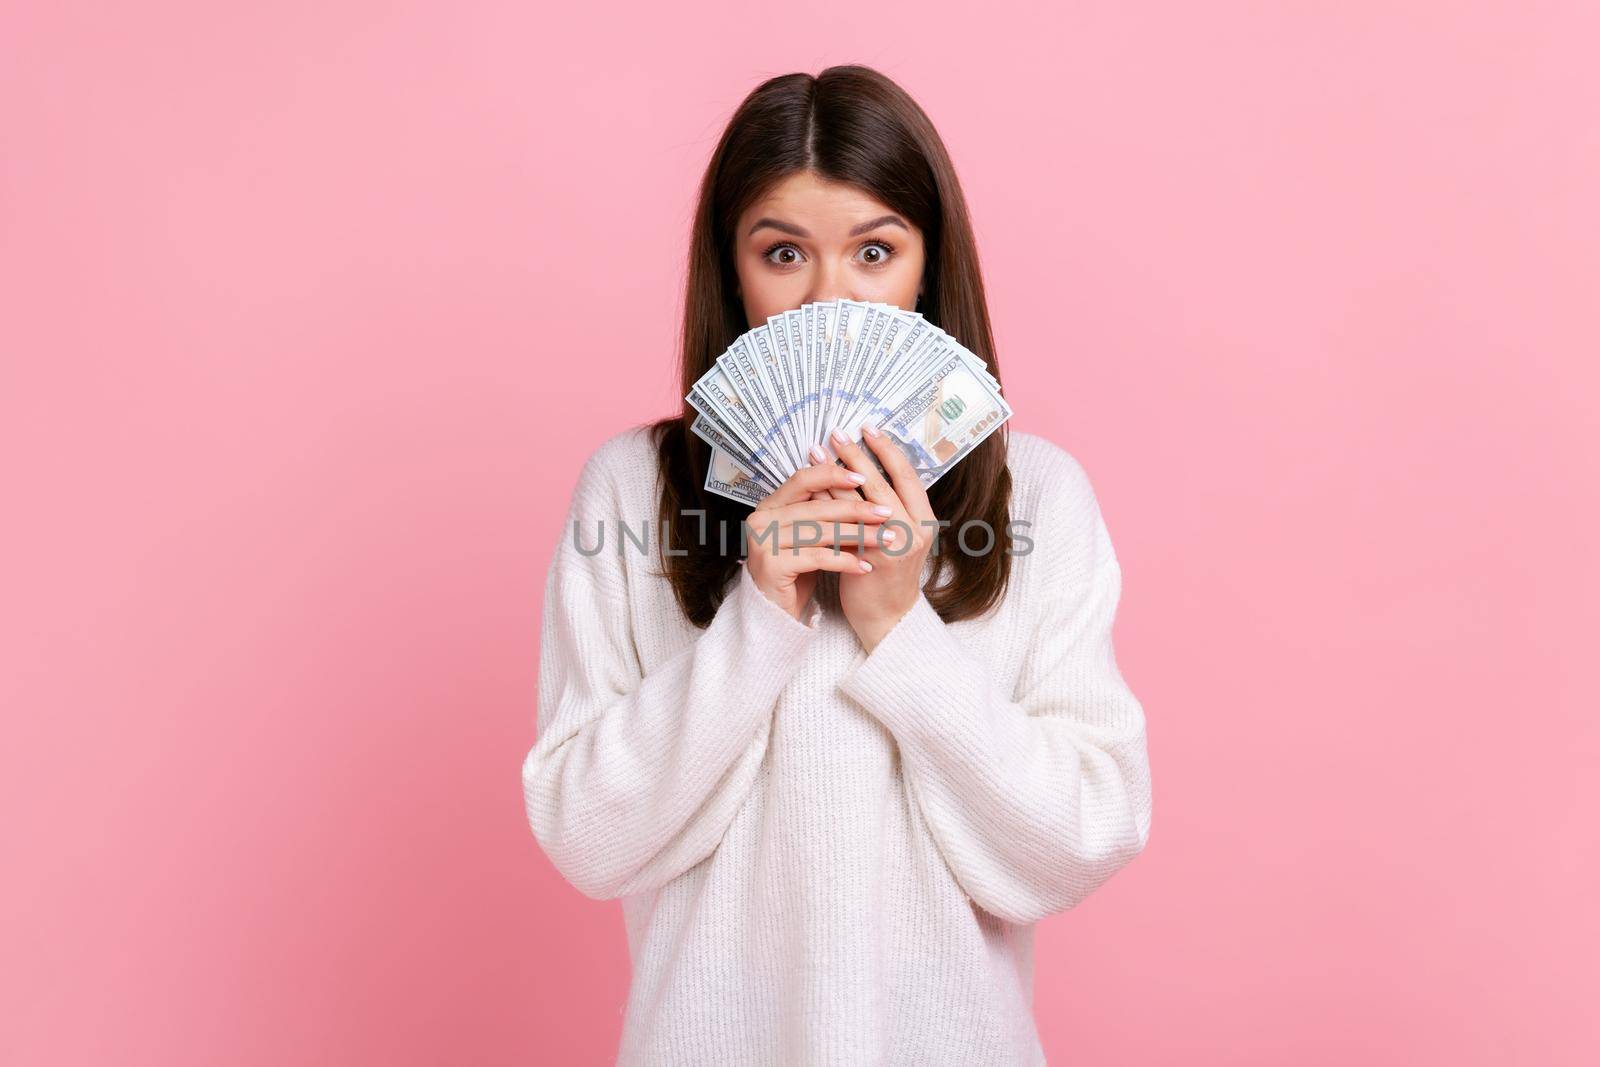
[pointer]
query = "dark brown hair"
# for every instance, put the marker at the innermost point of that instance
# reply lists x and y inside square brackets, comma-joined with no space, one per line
[848,124]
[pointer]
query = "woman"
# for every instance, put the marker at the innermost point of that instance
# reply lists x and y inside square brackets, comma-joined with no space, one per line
[834,787]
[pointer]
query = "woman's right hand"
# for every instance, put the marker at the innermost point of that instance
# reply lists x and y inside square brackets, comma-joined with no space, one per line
[783,560]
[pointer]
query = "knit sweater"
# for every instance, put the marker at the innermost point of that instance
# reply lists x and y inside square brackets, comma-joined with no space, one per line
[826,856]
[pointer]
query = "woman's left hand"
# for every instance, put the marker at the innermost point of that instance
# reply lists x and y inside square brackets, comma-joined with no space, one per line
[877,599]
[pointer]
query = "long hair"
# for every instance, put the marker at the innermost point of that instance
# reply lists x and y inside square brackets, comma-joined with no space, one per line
[848,124]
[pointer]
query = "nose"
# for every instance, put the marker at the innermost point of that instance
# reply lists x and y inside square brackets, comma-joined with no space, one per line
[829,283]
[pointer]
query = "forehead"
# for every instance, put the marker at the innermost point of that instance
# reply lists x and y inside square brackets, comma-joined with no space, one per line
[819,205]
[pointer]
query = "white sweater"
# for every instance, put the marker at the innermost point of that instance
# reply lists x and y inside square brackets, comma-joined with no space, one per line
[824,856]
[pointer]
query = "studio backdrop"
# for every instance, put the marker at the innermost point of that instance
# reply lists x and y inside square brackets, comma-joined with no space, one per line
[311,314]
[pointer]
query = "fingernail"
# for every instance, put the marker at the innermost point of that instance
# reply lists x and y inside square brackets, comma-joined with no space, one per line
[818,454]
[882,509]
[865,565]
[870,431]
[839,437]
[856,476]
[889,535]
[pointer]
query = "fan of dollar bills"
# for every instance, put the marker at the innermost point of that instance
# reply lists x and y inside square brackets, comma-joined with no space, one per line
[785,386]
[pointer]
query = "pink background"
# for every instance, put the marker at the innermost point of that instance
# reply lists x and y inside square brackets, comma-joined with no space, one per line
[309,313]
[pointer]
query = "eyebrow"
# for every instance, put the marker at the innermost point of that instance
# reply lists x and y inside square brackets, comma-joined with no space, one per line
[796,231]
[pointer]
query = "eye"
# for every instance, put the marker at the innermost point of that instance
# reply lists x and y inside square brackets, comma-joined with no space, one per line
[880,258]
[781,245]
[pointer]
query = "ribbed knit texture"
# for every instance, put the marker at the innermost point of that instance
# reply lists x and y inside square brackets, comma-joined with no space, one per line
[825,856]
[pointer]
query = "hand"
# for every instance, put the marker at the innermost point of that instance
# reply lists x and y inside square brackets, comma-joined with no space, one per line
[875,600]
[783,559]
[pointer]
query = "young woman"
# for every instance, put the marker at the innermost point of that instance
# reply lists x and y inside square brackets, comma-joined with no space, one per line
[836,786]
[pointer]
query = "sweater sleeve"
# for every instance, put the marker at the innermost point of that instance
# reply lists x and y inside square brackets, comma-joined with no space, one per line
[1035,798]
[635,777]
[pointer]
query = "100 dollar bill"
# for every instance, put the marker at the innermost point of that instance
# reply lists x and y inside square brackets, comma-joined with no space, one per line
[935,427]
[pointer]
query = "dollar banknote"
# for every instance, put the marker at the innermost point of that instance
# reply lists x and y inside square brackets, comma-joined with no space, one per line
[785,386]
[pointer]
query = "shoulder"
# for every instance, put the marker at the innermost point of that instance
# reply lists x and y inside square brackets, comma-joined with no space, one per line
[1052,492]
[612,505]
[1038,463]
[620,469]
[623,452]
